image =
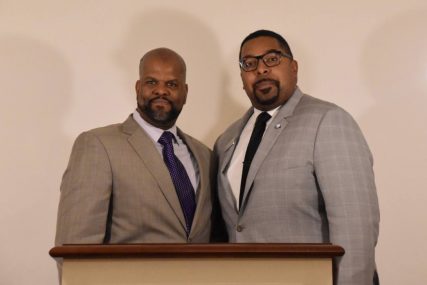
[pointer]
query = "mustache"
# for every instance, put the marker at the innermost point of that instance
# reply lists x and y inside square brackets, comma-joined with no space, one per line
[160,97]
[275,82]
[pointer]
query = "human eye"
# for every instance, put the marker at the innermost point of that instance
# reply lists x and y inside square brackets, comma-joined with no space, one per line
[150,81]
[271,58]
[249,63]
[172,84]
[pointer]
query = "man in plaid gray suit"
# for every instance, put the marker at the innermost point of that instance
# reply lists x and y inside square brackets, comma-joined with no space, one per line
[306,168]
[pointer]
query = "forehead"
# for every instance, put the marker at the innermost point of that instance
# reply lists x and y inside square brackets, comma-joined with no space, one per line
[162,68]
[260,45]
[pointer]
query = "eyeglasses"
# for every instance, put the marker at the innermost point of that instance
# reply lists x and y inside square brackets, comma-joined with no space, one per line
[270,59]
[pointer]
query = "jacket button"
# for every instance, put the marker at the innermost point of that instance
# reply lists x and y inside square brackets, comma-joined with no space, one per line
[239,228]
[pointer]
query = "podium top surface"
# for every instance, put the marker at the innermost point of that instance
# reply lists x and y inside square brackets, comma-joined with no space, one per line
[279,250]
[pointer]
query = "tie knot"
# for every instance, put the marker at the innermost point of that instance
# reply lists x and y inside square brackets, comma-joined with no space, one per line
[263,118]
[166,138]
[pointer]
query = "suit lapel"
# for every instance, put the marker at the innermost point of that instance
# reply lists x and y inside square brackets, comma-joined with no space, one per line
[273,131]
[146,150]
[225,184]
[228,155]
[232,142]
[204,183]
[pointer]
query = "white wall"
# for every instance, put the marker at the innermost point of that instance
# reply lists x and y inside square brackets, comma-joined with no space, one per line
[68,66]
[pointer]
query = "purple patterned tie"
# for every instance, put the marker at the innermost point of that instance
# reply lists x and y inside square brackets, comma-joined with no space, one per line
[180,179]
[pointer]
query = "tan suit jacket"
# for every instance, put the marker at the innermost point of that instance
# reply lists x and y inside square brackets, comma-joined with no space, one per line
[117,189]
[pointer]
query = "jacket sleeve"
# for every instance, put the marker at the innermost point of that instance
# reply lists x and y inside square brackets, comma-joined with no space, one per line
[85,193]
[344,171]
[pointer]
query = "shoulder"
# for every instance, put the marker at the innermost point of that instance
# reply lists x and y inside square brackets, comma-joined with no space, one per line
[230,133]
[99,137]
[323,111]
[333,125]
[315,105]
[194,143]
[103,132]
[108,130]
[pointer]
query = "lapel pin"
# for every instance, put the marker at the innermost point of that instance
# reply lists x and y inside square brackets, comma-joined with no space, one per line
[230,145]
[277,126]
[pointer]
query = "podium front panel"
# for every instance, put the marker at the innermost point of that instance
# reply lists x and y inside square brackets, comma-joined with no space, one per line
[197,271]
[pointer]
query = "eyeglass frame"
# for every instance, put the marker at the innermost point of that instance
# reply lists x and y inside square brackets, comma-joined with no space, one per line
[258,57]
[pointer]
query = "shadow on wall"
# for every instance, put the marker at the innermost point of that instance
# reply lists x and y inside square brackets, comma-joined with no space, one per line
[36,86]
[207,111]
[395,67]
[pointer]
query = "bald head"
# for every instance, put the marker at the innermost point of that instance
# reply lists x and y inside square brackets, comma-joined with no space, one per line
[164,55]
[161,89]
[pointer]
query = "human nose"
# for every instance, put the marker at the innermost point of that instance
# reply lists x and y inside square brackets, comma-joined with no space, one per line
[161,90]
[262,68]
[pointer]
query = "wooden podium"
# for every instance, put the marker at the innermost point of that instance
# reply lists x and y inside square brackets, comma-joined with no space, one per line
[190,264]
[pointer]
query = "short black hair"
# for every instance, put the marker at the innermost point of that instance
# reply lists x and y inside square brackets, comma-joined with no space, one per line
[266,33]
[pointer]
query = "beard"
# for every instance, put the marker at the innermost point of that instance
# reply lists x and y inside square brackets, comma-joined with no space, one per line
[260,94]
[159,116]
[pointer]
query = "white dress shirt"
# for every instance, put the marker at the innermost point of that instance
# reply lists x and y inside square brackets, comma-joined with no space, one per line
[234,172]
[180,149]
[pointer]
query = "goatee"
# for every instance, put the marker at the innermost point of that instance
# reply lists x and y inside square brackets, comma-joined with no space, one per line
[259,94]
[159,116]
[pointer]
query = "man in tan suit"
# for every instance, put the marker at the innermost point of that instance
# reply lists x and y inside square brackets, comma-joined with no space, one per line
[120,187]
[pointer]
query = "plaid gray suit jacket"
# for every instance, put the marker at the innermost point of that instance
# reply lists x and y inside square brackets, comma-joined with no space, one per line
[117,189]
[311,181]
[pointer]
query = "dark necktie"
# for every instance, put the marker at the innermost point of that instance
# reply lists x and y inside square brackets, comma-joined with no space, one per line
[181,181]
[253,144]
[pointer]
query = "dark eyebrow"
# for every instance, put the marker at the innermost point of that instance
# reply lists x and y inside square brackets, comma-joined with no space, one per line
[268,51]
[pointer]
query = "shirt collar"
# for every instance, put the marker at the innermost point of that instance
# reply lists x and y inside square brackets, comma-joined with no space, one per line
[272,113]
[153,132]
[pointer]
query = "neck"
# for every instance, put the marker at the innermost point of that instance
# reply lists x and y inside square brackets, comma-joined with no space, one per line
[158,124]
